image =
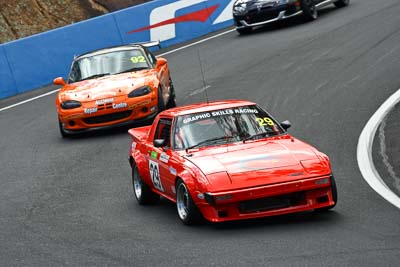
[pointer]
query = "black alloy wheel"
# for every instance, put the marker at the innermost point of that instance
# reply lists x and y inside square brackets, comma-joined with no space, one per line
[310,11]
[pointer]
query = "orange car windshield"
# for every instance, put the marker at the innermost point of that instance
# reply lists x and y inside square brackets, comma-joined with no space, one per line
[224,126]
[115,62]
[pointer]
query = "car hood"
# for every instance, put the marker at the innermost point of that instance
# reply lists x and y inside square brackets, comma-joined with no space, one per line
[260,163]
[107,86]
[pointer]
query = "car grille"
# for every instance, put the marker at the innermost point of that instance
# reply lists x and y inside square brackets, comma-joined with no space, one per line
[272,203]
[261,16]
[104,106]
[108,117]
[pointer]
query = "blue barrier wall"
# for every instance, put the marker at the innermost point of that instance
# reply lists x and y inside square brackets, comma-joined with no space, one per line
[7,83]
[35,61]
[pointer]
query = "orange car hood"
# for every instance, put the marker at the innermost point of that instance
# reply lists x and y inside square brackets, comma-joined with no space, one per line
[259,163]
[107,86]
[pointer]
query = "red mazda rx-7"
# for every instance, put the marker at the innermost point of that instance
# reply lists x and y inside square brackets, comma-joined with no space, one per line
[228,160]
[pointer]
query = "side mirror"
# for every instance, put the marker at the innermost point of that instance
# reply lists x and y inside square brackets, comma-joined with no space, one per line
[160,62]
[286,124]
[159,142]
[59,81]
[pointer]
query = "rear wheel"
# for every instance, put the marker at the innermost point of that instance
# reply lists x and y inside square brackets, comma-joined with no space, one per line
[172,100]
[142,191]
[310,11]
[161,104]
[187,210]
[334,196]
[244,30]
[342,3]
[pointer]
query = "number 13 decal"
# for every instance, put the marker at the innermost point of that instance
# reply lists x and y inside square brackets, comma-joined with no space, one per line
[155,175]
[265,121]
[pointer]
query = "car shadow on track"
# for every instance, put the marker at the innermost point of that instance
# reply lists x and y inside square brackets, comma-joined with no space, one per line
[100,134]
[289,23]
[166,209]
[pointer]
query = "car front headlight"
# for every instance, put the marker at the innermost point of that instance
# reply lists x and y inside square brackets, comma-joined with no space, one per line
[239,9]
[139,92]
[70,104]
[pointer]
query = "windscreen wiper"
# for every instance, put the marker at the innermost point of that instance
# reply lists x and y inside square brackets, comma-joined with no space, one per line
[95,76]
[263,134]
[132,70]
[211,140]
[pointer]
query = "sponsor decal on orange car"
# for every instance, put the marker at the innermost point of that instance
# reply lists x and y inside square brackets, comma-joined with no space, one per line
[104,101]
[90,110]
[119,105]
[145,102]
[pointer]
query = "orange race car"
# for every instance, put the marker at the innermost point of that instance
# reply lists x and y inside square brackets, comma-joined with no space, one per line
[113,87]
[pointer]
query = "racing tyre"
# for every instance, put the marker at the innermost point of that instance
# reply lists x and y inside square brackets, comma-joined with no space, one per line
[243,31]
[310,11]
[161,104]
[172,99]
[142,191]
[342,3]
[187,210]
[334,196]
[63,133]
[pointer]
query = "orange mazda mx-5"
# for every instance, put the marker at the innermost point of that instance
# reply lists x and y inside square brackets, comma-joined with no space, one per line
[113,87]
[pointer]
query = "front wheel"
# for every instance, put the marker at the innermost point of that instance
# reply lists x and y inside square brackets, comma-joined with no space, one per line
[142,191]
[310,11]
[334,196]
[63,133]
[341,3]
[187,210]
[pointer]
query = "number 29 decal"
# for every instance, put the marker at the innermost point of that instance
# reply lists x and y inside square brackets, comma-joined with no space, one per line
[265,121]
[155,175]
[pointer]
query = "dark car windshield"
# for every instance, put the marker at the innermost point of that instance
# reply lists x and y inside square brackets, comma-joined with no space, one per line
[115,62]
[223,126]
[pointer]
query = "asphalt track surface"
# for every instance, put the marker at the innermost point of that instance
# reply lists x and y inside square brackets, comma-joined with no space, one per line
[70,202]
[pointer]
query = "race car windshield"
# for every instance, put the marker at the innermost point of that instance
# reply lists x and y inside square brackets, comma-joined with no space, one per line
[108,64]
[224,126]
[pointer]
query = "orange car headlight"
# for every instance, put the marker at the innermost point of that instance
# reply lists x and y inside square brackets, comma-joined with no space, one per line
[141,91]
[70,104]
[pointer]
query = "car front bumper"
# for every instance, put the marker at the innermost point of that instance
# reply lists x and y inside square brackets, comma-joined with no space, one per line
[277,199]
[137,110]
[262,16]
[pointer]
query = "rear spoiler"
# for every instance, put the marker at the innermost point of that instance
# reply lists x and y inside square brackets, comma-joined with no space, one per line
[149,44]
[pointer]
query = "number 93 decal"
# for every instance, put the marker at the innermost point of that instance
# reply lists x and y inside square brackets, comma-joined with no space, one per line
[265,121]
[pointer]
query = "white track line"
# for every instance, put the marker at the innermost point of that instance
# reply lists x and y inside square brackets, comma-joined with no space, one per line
[198,42]
[364,151]
[163,54]
[29,100]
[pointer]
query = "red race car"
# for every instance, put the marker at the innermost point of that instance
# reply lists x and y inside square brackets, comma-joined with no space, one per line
[228,160]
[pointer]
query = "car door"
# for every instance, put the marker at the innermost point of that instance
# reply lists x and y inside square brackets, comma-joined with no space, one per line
[160,159]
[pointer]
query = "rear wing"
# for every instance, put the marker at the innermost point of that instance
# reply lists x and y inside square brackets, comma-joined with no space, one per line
[149,44]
